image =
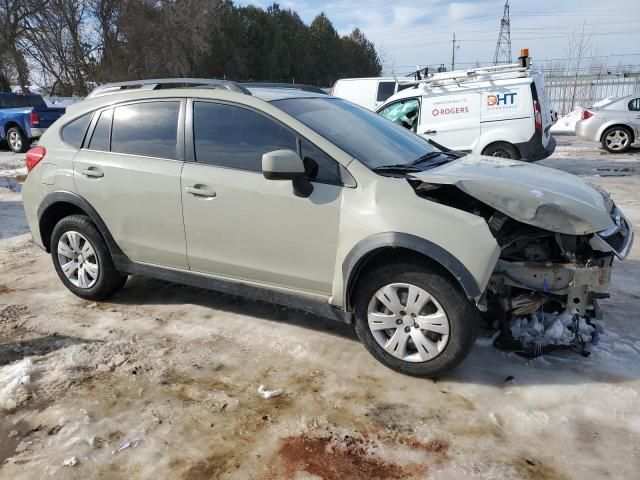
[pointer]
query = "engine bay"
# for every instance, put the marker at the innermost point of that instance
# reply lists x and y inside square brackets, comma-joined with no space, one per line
[543,294]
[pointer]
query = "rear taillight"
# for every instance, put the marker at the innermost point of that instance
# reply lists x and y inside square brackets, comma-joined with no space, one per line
[586,114]
[34,156]
[34,118]
[537,112]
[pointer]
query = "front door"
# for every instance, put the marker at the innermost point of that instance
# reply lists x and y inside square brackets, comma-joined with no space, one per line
[129,171]
[239,224]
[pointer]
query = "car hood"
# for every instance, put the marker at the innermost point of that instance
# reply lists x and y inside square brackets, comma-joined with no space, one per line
[540,196]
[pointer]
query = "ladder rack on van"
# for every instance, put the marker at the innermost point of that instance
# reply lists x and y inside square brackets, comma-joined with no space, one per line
[470,75]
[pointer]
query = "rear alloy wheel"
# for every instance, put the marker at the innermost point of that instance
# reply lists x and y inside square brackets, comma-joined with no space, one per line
[17,141]
[82,259]
[414,319]
[78,259]
[617,139]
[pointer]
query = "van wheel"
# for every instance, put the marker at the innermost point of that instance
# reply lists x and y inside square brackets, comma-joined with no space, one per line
[82,260]
[414,320]
[617,139]
[18,142]
[502,150]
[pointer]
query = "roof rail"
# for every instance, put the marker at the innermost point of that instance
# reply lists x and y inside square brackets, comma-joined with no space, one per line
[471,74]
[162,83]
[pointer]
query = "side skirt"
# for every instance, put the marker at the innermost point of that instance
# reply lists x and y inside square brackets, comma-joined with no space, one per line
[235,287]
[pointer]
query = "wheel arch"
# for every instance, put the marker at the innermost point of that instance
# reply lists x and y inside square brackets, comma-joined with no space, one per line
[605,128]
[57,205]
[379,246]
[9,125]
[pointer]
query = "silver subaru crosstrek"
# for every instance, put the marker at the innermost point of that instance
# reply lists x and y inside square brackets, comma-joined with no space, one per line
[616,124]
[306,200]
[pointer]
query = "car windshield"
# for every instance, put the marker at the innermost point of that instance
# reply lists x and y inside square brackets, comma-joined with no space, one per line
[373,140]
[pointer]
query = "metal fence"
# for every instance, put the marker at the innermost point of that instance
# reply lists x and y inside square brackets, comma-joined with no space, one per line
[570,91]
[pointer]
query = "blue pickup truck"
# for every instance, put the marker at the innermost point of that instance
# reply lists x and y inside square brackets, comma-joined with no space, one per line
[24,118]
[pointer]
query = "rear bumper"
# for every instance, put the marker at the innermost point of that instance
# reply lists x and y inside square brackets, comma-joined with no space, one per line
[588,130]
[36,132]
[534,150]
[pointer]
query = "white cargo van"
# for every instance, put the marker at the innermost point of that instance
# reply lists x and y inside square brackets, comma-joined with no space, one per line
[367,92]
[499,111]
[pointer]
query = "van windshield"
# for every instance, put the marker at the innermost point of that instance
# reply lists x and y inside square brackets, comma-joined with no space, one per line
[373,140]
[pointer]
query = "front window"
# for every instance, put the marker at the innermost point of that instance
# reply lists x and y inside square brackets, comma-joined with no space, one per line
[634,105]
[405,113]
[359,132]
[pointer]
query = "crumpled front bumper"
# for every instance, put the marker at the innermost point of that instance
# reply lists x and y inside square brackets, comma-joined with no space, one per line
[618,239]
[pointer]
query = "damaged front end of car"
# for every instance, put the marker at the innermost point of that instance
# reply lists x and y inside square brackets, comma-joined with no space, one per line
[558,244]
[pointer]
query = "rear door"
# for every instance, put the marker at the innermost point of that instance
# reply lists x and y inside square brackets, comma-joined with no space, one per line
[241,225]
[129,171]
[634,114]
[385,89]
[451,120]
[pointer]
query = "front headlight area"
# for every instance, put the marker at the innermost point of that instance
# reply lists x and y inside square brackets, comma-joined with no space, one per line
[544,290]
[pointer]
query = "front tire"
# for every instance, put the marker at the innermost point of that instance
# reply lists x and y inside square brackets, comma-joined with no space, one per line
[415,319]
[617,139]
[17,140]
[82,260]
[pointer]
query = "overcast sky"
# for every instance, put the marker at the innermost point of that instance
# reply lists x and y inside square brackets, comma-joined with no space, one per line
[411,32]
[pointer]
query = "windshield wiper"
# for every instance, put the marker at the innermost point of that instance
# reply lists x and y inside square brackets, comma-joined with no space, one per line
[400,168]
[429,156]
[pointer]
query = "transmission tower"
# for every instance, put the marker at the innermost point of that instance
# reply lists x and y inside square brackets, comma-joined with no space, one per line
[503,47]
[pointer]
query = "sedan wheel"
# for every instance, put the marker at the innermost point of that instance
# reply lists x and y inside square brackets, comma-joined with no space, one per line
[78,259]
[408,322]
[617,140]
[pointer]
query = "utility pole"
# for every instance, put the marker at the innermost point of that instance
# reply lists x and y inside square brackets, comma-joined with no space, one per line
[455,44]
[503,47]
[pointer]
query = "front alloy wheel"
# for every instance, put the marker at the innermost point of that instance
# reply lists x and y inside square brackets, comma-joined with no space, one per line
[408,322]
[414,317]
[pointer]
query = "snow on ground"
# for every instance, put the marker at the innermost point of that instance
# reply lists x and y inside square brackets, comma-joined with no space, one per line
[567,123]
[162,382]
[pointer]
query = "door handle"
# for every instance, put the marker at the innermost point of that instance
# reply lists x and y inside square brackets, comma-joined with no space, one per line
[93,172]
[429,132]
[200,192]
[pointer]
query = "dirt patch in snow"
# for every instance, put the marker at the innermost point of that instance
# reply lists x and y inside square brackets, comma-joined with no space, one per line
[332,458]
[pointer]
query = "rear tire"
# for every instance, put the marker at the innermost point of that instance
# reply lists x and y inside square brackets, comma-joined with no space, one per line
[18,142]
[502,150]
[443,343]
[82,259]
[617,139]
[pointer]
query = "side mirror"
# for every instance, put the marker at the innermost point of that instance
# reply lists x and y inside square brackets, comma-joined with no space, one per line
[282,165]
[287,165]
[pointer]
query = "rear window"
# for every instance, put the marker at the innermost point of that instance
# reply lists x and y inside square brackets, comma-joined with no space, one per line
[385,90]
[74,131]
[149,129]
[21,101]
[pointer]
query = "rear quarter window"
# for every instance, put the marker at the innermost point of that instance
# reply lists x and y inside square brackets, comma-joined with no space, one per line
[73,132]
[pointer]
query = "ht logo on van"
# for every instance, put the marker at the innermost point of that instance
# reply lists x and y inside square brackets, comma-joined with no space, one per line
[505,99]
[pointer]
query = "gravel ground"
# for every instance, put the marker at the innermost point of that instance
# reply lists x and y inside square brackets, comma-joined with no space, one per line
[161,381]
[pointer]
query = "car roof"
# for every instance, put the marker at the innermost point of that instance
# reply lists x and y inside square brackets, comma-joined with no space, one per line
[269,94]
